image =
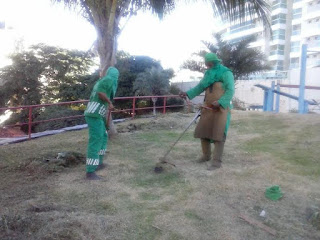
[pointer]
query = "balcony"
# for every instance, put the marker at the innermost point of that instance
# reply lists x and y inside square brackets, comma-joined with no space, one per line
[276,52]
[297,21]
[295,54]
[313,8]
[245,33]
[278,21]
[313,44]
[313,63]
[296,32]
[276,57]
[294,65]
[295,49]
[280,5]
[258,43]
[277,42]
[311,29]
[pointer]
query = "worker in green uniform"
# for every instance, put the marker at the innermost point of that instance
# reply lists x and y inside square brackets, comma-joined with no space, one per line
[95,114]
[218,84]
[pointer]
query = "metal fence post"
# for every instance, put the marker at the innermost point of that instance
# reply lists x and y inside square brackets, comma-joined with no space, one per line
[265,100]
[133,107]
[270,98]
[30,122]
[302,78]
[278,99]
[306,107]
[164,105]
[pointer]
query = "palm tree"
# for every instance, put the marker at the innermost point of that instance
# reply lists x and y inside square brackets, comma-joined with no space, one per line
[105,16]
[237,56]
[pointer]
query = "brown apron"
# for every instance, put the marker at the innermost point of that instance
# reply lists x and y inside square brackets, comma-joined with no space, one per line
[212,123]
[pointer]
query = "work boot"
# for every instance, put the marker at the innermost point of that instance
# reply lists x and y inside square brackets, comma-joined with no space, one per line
[206,151]
[92,176]
[217,155]
[215,164]
[101,166]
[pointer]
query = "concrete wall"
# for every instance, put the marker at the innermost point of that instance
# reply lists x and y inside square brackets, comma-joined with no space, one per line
[251,95]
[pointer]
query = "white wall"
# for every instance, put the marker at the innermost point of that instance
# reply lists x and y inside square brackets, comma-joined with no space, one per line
[251,95]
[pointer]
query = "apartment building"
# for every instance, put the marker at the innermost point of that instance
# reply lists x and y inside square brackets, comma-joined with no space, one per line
[293,23]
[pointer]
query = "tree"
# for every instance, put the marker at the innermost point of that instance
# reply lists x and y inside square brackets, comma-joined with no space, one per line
[60,67]
[77,88]
[154,81]
[42,74]
[129,68]
[238,56]
[105,16]
[37,75]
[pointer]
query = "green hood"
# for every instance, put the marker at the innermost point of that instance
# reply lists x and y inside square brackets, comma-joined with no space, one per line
[113,74]
[211,57]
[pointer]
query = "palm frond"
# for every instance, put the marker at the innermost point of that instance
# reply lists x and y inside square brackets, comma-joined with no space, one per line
[234,10]
[69,3]
[77,5]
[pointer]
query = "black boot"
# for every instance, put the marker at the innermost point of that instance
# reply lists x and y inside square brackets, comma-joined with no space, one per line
[92,176]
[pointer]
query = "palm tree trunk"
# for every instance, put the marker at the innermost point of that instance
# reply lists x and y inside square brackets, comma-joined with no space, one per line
[107,45]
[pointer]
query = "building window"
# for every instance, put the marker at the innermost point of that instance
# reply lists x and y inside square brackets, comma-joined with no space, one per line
[277,65]
[279,34]
[296,30]
[295,46]
[279,18]
[277,50]
[294,63]
[279,4]
[297,13]
[242,26]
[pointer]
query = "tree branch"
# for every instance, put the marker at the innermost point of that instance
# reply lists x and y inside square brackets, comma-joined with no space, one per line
[88,11]
[112,17]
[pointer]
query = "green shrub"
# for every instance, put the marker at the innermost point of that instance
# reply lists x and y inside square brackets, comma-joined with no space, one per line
[58,112]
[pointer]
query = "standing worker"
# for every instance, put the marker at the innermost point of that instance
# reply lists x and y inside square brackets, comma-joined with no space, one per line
[100,100]
[218,84]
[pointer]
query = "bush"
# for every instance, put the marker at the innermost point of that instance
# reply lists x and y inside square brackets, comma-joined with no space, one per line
[58,112]
[238,104]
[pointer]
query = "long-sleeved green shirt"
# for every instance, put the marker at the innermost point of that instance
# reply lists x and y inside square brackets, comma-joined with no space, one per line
[108,84]
[222,74]
[219,73]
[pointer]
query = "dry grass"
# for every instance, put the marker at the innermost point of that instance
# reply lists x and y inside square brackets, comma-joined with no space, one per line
[187,202]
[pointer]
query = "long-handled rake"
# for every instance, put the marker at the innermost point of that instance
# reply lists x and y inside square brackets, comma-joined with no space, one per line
[162,160]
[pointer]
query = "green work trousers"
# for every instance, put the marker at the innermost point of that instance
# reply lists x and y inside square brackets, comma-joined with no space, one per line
[97,145]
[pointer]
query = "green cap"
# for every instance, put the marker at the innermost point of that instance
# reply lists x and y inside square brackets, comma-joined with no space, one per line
[273,193]
[211,57]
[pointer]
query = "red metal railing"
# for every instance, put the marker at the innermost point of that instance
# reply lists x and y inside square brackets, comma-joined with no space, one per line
[132,110]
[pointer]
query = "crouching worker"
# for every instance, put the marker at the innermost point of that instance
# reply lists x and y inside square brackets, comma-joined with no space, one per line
[100,100]
[218,84]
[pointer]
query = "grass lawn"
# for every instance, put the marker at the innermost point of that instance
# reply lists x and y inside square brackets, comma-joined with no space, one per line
[40,201]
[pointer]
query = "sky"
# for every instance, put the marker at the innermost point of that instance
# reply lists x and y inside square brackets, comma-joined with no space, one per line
[171,40]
